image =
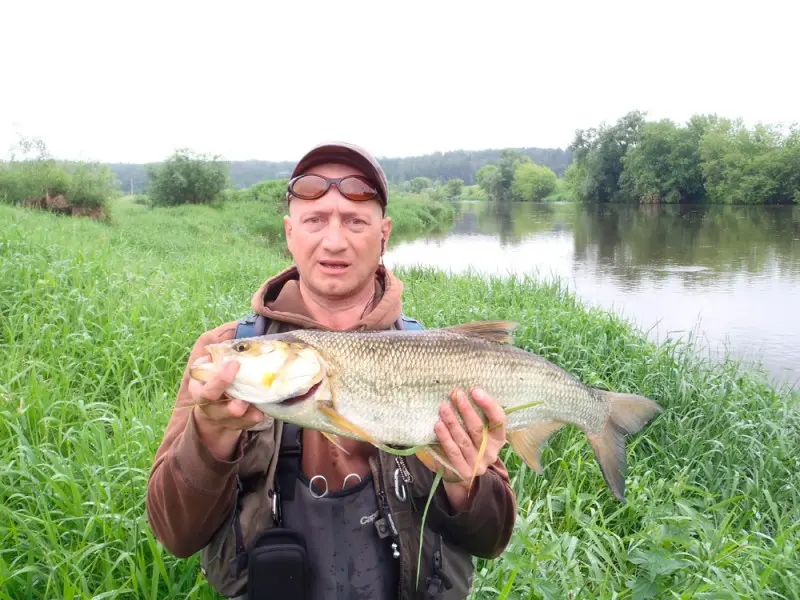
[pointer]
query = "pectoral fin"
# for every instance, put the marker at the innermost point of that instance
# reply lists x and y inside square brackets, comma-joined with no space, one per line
[332,440]
[433,457]
[346,425]
[528,442]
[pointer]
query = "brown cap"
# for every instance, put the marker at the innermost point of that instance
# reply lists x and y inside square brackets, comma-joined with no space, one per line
[348,154]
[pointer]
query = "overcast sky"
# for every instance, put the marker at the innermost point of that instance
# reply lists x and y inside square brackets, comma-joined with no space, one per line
[132,81]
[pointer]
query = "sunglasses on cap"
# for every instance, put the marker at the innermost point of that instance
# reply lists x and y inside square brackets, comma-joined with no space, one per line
[311,186]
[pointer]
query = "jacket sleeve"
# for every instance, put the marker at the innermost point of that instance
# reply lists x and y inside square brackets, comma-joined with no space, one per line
[485,526]
[190,492]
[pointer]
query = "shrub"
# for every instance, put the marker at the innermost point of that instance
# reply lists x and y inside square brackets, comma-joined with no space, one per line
[187,178]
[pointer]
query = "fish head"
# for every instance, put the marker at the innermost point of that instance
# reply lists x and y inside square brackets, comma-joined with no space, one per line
[270,371]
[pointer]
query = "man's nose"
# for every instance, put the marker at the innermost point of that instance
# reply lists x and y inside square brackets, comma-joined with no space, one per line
[334,237]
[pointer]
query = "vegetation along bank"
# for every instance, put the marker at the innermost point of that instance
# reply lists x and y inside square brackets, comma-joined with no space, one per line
[96,321]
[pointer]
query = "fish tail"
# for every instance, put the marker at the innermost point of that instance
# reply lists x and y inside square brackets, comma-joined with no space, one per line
[629,413]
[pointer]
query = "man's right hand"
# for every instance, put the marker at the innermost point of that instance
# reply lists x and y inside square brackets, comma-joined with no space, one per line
[221,419]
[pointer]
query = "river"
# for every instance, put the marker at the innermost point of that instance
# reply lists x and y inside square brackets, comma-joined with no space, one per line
[728,277]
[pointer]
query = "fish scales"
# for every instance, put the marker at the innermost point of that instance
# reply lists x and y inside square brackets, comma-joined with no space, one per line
[392,383]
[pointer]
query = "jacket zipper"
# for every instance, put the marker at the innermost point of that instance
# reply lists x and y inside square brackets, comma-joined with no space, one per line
[401,464]
[388,517]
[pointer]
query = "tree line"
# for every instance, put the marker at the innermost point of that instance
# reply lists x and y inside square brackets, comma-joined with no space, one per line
[708,159]
[439,166]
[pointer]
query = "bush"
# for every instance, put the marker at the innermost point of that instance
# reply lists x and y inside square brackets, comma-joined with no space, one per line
[37,180]
[187,178]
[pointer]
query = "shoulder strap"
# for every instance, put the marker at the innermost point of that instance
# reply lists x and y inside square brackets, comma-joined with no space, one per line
[407,323]
[251,326]
[254,325]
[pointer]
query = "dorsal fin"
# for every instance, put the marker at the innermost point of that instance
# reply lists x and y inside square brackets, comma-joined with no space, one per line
[494,331]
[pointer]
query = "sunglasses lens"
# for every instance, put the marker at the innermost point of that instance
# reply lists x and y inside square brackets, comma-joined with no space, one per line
[357,188]
[309,187]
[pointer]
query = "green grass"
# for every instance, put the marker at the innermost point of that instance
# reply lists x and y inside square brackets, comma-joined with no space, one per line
[96,322]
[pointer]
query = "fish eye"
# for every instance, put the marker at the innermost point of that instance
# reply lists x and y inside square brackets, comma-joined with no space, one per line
[241,346]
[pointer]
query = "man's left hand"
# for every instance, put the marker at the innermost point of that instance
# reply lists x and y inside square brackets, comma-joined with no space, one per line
[461,443]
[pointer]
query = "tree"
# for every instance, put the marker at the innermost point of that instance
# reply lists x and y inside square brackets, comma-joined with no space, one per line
[488,178]
[509,161]
[533,182]
[664,166]
[453,188]
[599,153]
[187,178]
[418,184]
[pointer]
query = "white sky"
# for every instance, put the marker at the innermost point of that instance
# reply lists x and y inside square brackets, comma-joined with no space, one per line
[132,81]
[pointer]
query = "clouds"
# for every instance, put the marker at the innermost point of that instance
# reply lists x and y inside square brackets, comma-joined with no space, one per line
[133,81]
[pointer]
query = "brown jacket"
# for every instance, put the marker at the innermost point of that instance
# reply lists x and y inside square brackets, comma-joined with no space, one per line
[191,494]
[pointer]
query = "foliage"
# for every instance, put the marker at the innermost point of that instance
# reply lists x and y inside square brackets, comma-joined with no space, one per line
[453,188]
[271,192]
[488,178]
[599,152]
[416,185]
[96,323]
[532,183]
[460,164]
[710,159]
[187,178]
[761,166]
[413,214]
[35,174]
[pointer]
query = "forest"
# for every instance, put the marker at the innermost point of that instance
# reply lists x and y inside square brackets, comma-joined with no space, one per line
[439,166]
[710,159]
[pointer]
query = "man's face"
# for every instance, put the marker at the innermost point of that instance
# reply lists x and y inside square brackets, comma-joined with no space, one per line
[336,242]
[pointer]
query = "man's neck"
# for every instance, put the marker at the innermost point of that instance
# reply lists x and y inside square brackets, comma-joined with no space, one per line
[337,313]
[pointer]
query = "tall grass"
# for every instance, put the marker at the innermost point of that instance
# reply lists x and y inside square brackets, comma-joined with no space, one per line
[96,322]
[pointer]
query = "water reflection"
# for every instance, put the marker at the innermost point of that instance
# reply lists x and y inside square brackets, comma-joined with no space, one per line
[731,274]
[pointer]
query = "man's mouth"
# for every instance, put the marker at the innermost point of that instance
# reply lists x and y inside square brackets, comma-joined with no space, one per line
[334,264]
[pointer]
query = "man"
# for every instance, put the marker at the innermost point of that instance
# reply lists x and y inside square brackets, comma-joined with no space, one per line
[213,487]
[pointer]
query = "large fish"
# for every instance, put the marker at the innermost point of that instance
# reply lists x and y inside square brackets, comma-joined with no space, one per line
[387,387]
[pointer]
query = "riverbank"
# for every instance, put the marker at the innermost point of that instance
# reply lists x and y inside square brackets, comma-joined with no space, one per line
[411,214]
[96,322]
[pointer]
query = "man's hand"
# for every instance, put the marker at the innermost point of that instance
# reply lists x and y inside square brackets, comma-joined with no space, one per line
[221,419]
[461,443]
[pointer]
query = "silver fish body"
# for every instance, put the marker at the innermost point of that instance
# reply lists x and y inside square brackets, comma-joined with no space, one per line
[389,385]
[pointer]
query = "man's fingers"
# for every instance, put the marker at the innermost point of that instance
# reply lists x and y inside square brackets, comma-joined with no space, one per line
[495,415]
[451,449]
[216,386]
[472,420]
[457,433]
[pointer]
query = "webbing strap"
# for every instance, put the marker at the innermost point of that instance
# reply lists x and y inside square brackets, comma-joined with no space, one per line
[289,458]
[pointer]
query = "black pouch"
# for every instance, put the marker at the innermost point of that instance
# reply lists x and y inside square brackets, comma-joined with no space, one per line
[278,566]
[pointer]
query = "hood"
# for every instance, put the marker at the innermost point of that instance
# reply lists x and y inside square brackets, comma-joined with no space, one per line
[279,299]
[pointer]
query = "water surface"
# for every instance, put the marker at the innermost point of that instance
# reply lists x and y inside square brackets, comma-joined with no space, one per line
[728,276]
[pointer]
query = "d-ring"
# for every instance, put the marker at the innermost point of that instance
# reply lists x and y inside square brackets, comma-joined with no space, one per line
[344,483]
[311,486]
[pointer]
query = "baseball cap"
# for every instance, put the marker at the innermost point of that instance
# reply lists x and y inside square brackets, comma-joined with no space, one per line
[348,154]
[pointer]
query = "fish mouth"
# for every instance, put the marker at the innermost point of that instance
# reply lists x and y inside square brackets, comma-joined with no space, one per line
[302,397]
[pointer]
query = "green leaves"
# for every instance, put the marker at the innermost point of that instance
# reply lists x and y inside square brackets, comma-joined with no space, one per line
[187,178]
[708,159]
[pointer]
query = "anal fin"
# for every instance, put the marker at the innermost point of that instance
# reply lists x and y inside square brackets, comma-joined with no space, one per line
[528,442]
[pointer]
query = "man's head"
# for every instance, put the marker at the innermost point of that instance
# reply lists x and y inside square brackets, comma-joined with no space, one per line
[337,239]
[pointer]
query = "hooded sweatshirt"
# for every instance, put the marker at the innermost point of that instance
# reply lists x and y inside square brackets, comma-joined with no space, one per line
[191,492]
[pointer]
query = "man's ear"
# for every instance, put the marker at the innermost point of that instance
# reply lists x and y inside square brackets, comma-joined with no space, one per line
[386,231]
[287,227]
